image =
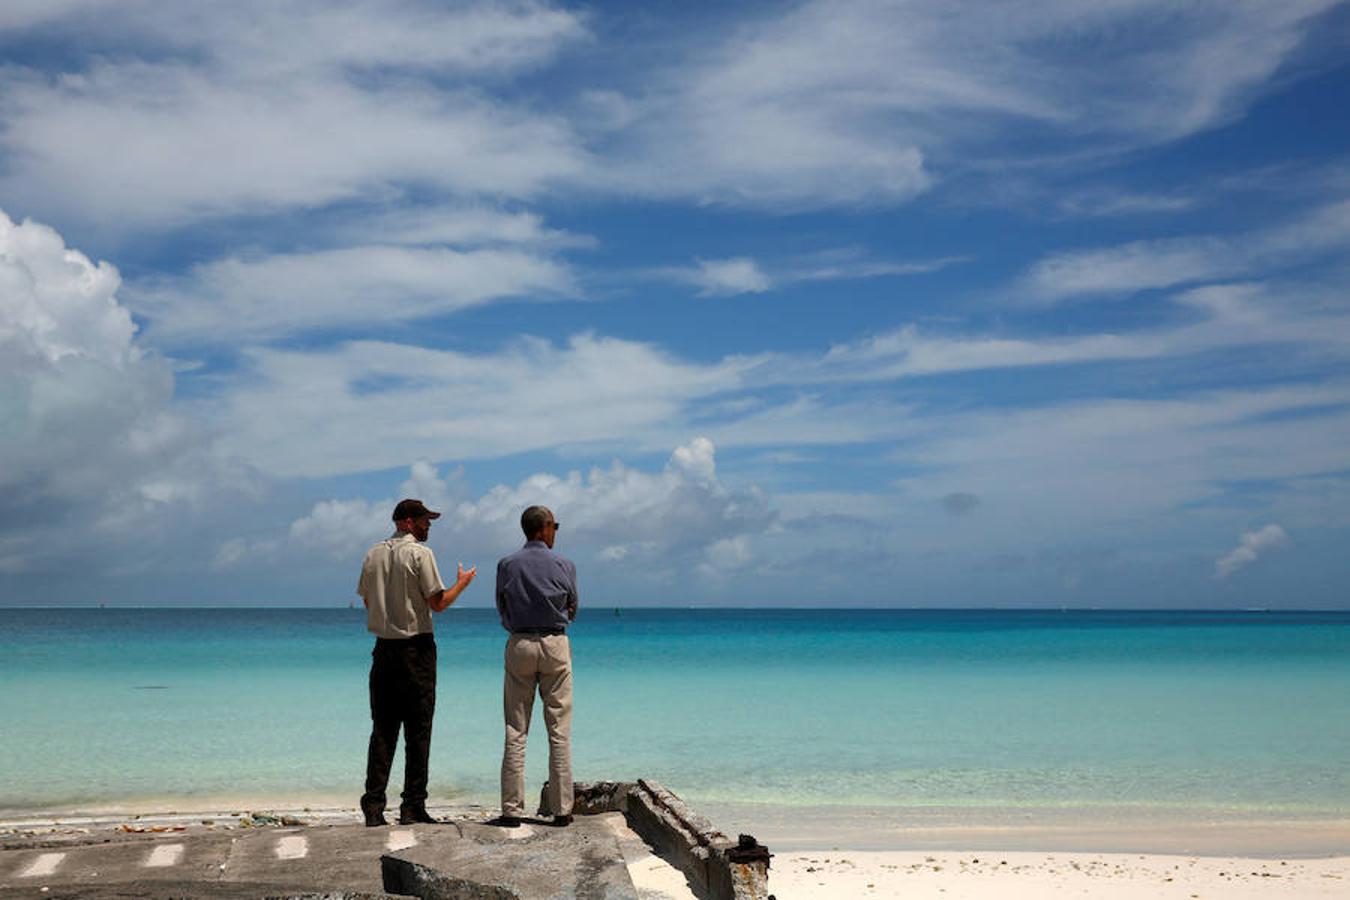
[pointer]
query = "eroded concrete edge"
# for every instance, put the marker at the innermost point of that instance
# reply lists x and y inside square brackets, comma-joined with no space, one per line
[416,880]
[717,867]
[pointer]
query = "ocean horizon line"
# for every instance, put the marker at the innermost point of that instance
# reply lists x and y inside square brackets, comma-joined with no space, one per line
[718,606]
[740,608]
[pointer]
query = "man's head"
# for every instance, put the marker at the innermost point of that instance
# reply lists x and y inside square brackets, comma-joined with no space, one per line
[539,525]
[412,517]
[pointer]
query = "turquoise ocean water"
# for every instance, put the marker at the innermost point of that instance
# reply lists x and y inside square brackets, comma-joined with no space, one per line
[1237,712]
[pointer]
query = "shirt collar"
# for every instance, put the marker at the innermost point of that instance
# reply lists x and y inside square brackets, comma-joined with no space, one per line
[536,544]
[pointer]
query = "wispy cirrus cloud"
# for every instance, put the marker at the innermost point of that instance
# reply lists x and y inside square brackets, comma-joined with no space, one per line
[291,411]
[873,103]
[273,296]
[460,226]
[288,408]
[184,112]
[746,275]
[1107,202]
[159,148]
[1144,265]
[217,111]
[472,37]
[1252,546]
[1220,316]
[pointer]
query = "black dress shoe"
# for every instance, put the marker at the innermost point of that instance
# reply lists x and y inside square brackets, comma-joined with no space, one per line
[561,821]
[418,816]
[505,821]
[375,819]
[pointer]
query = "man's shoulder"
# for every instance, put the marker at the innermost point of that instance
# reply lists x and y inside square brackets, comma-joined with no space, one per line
[535,554]
[512,557]
[561,562]
[419,550]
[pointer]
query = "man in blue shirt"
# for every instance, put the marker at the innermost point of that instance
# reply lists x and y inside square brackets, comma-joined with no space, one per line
[537,600]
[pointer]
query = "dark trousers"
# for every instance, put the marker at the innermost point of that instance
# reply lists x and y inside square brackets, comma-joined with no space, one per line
[402,694]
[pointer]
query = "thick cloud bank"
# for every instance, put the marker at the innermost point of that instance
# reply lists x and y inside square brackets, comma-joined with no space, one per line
[87,433]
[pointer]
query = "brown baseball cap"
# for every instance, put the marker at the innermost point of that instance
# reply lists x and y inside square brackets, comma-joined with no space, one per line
[412,509]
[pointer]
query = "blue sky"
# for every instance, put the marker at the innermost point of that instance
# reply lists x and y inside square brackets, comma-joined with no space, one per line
[878,303]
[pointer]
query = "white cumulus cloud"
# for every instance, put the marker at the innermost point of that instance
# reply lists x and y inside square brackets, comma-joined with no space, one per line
[340,527]
[726,277]
[88,431]
[653,524]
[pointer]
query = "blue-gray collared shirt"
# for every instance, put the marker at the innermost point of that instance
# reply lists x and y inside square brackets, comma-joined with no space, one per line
[536,588]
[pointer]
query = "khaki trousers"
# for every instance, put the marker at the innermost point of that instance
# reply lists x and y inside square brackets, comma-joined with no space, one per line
[543,663]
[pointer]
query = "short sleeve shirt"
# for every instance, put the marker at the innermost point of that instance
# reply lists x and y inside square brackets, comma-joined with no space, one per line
[398,575]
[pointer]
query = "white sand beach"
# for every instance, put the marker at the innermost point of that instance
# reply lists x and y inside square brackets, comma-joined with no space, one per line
[1013,854]
[1022,874]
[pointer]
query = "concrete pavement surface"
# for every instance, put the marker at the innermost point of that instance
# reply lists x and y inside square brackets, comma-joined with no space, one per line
[336,857]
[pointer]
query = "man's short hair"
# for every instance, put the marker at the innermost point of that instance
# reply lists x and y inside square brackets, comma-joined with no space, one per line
[533,520]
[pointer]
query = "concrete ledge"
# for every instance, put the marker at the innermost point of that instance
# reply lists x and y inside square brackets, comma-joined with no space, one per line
[717,867]
[466,858]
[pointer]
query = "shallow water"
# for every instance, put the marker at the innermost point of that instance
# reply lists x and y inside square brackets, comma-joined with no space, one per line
[1222,711]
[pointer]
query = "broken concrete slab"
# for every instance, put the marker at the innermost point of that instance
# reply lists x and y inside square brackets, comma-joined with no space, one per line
[425,883]
[537,860]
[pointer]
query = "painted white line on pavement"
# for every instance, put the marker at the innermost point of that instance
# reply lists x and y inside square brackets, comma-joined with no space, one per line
[401,839]
[293,847]
[167,855]
[44,865]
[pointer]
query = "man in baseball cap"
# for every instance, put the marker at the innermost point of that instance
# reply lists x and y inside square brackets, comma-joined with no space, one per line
[401,587]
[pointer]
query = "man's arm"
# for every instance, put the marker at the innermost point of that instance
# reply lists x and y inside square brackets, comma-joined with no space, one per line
[503,611]
[363,583]
[441,600]
[572,597]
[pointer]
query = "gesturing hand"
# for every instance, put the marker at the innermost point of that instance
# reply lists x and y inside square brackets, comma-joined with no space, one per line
[462,577]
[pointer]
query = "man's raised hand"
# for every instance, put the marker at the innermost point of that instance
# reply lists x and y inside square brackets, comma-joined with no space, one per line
[462,577]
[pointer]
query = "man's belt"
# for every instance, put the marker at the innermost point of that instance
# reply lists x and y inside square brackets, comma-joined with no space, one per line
[539,631]
[425,637]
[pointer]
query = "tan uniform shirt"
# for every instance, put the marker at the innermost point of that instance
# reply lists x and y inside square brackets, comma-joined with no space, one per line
[398,575]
